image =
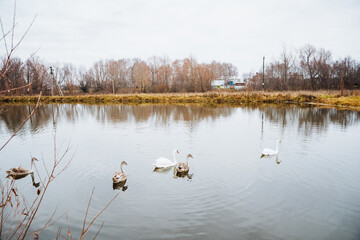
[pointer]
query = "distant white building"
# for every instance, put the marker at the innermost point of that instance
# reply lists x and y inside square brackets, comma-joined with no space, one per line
[218,83]
[235,83]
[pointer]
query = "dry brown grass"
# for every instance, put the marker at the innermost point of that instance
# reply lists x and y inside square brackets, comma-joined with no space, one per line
[331,98]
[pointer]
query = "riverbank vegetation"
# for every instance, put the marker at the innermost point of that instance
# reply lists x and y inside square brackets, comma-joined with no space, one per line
[331,98]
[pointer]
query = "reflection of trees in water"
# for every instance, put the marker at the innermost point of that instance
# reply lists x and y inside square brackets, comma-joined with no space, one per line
[160,113]
[309,119]
[13,115]
[71,111]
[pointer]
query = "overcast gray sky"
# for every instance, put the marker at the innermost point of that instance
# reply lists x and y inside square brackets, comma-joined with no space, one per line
[235,31]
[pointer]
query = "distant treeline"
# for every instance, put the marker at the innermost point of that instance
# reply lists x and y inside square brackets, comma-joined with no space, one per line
[157,75]
[308,68]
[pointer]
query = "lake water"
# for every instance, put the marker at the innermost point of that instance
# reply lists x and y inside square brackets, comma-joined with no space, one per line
[311,191]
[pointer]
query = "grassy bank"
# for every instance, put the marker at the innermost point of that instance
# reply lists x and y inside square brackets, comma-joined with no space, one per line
[331,98]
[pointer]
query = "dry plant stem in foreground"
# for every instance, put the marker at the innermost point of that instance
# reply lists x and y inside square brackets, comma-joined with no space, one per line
[17,88]
[84,230]
[23,123]
[16,213]
[12,45]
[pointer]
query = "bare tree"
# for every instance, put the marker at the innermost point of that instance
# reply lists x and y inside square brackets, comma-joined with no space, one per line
[68,77]
[87,80]
[118,72]
[323,65]
[205,76]
[14,76]
[11,47]
[101,76]
[141,75]
[37,75]
[288,58]
[164,75]
[308,63]
[189,74]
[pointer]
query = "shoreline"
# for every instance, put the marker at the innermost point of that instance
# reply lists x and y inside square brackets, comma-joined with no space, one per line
[349,99]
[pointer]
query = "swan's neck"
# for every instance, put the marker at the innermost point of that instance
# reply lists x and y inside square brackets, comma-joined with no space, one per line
[187,161]
[277,146]
[174,157]
[121,168]
[31,166]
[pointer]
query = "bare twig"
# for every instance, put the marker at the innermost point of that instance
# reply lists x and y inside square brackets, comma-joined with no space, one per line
[47,172]
[58,233]
[69,232]
[13,46]
[49,223]
[84,232]
[87,210]
[13,28]
[17,88]
[2,29]
[97,233]
[27,30]
[17,130]
[4,36]
[36,207]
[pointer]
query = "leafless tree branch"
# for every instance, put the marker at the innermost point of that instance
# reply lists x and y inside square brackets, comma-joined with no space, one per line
[17,130]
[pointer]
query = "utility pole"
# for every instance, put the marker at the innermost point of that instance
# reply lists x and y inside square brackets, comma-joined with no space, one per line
[263,80]
[54,82]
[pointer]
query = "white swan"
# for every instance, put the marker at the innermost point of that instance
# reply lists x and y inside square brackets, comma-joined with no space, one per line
[269,152]
[164,162]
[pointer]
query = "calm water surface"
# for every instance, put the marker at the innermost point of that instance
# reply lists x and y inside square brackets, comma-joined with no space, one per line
[311,191]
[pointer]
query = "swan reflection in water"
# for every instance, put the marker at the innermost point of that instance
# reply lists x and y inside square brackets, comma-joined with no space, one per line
[120,186]
[35,184]
[164,170]
[276,159]
[187,175]
[175,173]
